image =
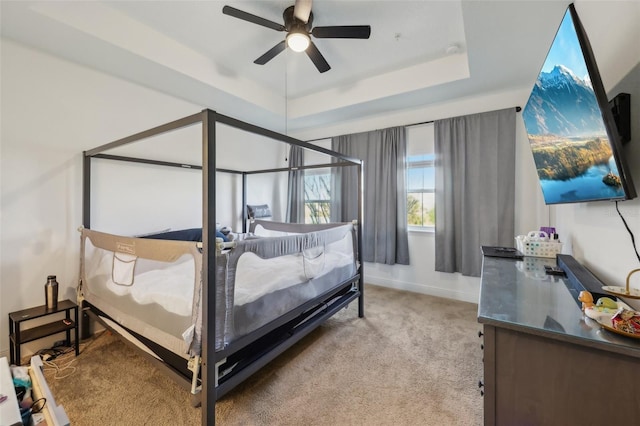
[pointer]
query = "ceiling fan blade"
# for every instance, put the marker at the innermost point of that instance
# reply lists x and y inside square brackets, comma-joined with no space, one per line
[316,57]
[245,16]
[271,53]
[302,10]
[344,31]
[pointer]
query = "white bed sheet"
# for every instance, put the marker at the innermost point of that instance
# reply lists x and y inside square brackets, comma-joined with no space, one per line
[172,286]
[256,277]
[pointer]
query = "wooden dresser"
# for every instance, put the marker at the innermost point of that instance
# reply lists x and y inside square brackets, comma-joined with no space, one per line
[545,363]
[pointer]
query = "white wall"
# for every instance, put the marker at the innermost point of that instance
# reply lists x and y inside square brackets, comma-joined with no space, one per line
[52,110]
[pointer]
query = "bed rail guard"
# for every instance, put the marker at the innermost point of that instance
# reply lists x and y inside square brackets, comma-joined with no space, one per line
[292,227]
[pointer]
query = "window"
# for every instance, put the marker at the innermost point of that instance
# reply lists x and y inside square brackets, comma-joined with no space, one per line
[420,178]
[420,191]
[317,196]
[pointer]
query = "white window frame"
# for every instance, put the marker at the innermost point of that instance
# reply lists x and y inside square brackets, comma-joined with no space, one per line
[317,172]
[420,141]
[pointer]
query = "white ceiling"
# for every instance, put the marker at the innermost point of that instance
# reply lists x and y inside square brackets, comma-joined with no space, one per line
[191,50]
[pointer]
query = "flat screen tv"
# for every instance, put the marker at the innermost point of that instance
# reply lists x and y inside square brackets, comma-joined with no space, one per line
[575,144]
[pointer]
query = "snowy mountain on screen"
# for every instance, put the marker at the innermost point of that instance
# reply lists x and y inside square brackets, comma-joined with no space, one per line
[563,104]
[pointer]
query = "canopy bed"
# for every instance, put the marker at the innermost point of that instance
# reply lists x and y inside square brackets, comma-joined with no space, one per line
[213,312]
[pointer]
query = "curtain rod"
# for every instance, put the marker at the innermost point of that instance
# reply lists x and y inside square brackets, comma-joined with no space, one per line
[518,109]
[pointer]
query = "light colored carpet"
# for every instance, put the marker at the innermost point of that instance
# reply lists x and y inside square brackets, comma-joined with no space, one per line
[413,359]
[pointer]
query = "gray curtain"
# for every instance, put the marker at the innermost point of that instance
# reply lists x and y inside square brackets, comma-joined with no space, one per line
[384,225]
[295,193]
[475,190]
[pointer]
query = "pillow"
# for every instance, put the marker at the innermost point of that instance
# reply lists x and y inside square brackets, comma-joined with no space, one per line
[257,211]
[221,235]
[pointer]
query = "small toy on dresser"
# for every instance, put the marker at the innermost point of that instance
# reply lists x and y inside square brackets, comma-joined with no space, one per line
[604,304]
[587,299]
[603,309]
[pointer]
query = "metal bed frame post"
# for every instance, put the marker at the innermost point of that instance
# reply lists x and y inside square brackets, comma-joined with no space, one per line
[244,202]
[360,218]
[208,302]
[86,222]
[86,191]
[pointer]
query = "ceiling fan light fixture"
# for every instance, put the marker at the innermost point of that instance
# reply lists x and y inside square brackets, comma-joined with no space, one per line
[297,41]
[298,24]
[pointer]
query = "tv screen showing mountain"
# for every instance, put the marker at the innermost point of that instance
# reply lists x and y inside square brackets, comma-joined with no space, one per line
[575,157]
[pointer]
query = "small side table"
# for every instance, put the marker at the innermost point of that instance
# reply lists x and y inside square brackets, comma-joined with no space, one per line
[19,337]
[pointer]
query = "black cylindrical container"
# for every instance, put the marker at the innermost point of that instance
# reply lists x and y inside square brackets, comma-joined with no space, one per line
[51,292]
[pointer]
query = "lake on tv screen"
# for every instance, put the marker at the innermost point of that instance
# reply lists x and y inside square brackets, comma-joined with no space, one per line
[587,186]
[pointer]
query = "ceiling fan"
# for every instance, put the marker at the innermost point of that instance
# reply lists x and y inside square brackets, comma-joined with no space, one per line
[298,20]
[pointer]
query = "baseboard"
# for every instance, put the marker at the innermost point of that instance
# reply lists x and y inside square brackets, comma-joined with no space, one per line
[471,297]
[4,353]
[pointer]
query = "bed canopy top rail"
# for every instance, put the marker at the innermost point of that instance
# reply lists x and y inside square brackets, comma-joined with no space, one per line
[239,172]
[309,166]
[160,163]
[158,130]
[147,161]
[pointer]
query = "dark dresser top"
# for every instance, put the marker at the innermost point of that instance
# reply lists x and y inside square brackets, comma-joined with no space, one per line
[519,295]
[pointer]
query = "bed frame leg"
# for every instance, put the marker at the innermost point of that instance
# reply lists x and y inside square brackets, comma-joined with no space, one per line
[361,300]
[194,366]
